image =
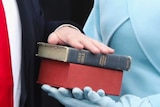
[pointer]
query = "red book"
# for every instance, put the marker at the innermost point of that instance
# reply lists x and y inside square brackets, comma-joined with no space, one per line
[70,75]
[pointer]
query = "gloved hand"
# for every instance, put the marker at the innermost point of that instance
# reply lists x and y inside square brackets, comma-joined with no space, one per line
[79,98]
[90,98]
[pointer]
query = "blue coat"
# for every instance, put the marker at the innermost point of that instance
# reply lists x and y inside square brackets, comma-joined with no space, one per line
[137,24]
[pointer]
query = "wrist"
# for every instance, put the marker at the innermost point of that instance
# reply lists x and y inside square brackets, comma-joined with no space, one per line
[67,25]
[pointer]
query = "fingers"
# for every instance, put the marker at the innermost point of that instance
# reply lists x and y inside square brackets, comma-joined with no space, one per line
[98,97]
[53,38]
[103,101]
[46,87]
[101,92]
[76,39]
[86,91]
[93,96]
[85,98]
[53,92]
[91,44]
[61,95]
[78,93]
[102,48]
[65,92]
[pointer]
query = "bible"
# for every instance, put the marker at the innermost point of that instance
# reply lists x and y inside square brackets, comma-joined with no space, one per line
[82,56]
[70,75]
[58,72]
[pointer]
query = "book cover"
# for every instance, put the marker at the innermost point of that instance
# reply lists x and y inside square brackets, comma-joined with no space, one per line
[70,75]
[85,57]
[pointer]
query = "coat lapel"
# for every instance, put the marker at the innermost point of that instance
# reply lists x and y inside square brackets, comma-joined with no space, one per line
[30,29]
[144,15]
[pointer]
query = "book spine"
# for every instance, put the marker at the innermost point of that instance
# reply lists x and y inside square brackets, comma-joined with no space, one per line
[111,61]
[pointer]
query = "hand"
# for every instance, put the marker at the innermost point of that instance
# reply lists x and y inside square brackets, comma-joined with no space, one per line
[79,98]
[90,98]
[76,39]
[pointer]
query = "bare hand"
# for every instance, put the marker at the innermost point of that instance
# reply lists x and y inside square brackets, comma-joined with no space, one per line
[76,39]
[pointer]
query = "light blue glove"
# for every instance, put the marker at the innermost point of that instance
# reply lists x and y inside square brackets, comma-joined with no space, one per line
[90,98]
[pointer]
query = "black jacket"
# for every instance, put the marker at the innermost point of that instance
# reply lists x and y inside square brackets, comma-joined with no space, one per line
[34,29]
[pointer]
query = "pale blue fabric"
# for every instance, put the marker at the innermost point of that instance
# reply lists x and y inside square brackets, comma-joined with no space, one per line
[90,98]
[131,27]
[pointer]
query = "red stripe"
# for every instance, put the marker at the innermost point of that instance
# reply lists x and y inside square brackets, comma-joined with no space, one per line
[6,79]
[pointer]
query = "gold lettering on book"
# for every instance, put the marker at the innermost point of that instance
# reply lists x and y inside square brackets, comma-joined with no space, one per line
[102,60]
[81,57]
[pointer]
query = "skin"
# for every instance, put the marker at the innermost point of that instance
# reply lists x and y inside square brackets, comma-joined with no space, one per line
[76,39]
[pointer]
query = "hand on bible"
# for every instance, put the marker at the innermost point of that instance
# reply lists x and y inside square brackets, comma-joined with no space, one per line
[75,38]
[79,98]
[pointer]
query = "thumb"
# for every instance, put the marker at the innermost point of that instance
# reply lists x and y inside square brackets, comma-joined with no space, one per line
[51,91]
[46,87]
[54,92]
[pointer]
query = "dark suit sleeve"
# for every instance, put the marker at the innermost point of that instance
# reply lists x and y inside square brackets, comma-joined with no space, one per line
[52,25]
